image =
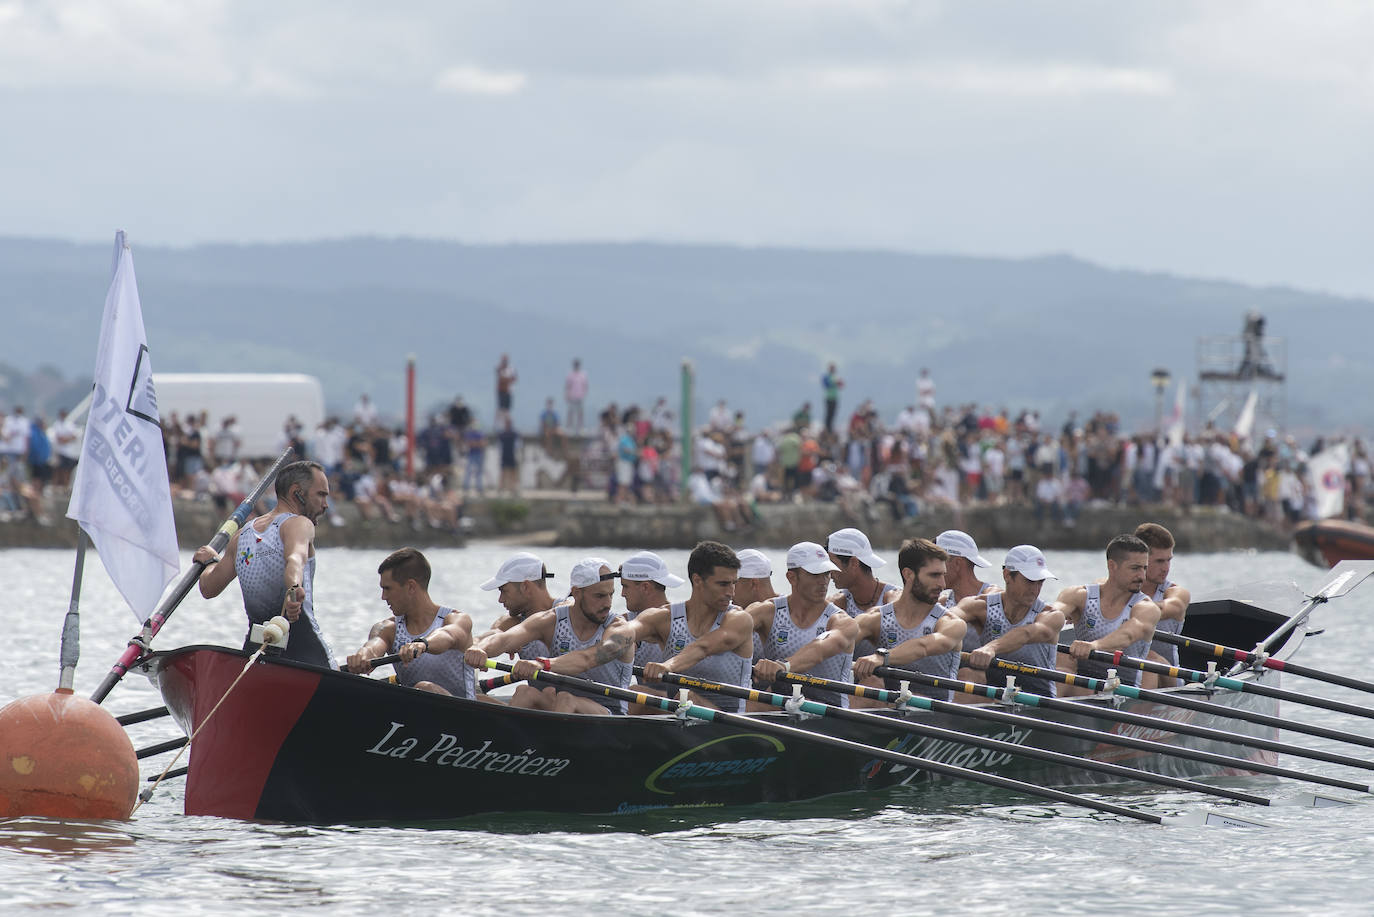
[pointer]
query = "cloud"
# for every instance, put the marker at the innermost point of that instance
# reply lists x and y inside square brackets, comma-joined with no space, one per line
[477,81]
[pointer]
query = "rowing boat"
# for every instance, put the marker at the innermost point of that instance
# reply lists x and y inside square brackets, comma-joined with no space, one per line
[299,744]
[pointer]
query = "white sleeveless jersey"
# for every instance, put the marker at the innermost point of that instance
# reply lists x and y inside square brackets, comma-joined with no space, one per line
[945,665]
[260,562]
[1093,626]
[724,668]
[786,638]
[615,672]
[447,670]
[864,646]
[1041,655]
[1168,626]
[973,637]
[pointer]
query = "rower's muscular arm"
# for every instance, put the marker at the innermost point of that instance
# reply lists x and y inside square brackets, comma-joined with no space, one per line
[733,635]
[1175,604]
[379,640]
[1044,629]
[217,574]
[456,634]
[1071,602]
[1140,626]
[616,643]
[535,627]
[840,636]
[948,635]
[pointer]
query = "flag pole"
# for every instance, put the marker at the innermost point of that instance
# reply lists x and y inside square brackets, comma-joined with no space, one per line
[71,627]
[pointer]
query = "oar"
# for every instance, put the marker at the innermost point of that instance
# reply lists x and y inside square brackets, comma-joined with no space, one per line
[378,661]
[1157,724]
[1346,575]
[140,643]
[710,715]
[1255,660]
[1121,660]
[1171,699]
[950,735]
[141,716]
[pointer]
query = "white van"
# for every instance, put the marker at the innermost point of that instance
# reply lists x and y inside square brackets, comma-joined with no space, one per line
[261,402]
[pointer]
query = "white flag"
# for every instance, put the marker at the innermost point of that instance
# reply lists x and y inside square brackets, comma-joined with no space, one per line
[1245,423]
[121,495]
[1328,469]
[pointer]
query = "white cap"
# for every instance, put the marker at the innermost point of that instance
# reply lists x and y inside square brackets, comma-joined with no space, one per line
[853,543]
[754,564]
[646,566]
[588,572]
[959,544]
[810,557]
[1029,562]
[518,568]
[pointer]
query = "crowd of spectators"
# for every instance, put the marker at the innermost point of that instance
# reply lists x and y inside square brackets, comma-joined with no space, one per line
[955,455]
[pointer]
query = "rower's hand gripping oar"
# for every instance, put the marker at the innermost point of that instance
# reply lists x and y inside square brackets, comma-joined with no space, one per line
[139,644]
[377,661]
[697,711]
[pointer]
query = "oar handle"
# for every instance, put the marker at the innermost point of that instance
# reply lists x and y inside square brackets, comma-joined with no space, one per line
[377,661]
[139,644]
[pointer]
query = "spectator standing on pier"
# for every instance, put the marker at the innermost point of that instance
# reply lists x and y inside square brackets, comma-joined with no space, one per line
[66,441]
[509,441]
[925,391]
[831,383]
[575,388]
[505,386]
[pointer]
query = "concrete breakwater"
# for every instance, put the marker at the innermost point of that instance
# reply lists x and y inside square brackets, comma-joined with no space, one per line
[587,520]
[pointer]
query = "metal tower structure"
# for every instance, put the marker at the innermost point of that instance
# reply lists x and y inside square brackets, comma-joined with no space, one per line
[1231,367]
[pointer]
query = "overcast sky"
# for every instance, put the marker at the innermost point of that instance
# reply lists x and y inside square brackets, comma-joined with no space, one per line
[1219,139]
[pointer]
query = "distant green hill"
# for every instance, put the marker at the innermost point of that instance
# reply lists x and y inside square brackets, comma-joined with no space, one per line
[1053,333]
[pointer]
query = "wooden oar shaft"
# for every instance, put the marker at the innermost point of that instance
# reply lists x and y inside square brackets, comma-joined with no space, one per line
[950,735]
[700,712]
[1231,653]
[1153,723]
[1187,703]
[1120,659]
[139,644]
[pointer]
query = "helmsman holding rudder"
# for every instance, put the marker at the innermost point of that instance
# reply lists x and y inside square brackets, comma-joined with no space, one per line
[273,557]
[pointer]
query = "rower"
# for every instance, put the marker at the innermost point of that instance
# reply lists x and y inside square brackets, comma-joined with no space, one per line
[915,631]
[429,638]
[644,584]
[858,589]
[1110,614]
[1015,624]
[587,639]
[802,632]
[523,591]
[1171,598]
[755,584]
[707,636]
[961,577]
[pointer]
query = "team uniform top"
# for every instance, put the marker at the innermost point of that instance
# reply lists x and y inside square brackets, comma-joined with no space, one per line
[259,563]
[1092,626]
[723,668]
[447,670]
[865,646]
[945,665]
[615,672]
[785,638]
[1041,655]
[1174,626]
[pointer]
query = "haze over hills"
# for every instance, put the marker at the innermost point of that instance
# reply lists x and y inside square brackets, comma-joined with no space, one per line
[759,325]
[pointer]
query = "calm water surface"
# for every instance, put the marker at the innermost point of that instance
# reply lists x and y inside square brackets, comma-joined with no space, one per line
[946,849]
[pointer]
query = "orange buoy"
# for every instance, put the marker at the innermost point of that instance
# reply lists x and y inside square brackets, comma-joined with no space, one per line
[63,756]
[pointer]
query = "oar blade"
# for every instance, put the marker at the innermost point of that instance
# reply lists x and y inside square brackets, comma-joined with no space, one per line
[1215,819]
[1345,576]
[1315,801]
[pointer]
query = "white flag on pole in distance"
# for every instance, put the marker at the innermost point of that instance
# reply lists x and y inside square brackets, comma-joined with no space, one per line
[121,495]
[1177,419]
[1328,470]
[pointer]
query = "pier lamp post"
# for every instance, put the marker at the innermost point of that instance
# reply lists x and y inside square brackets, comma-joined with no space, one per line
[1160,380]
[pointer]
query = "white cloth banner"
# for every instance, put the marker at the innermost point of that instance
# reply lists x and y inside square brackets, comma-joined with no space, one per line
[1245,423]
[1328,470]
[120,494]
[1177,419]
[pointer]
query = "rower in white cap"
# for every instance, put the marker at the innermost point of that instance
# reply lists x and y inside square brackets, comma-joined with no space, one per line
[644,584]
[585,638]
[859,590]
[1014,625]
[755,584]
[522,584]
[802,632]
[707,636]
[961,577]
